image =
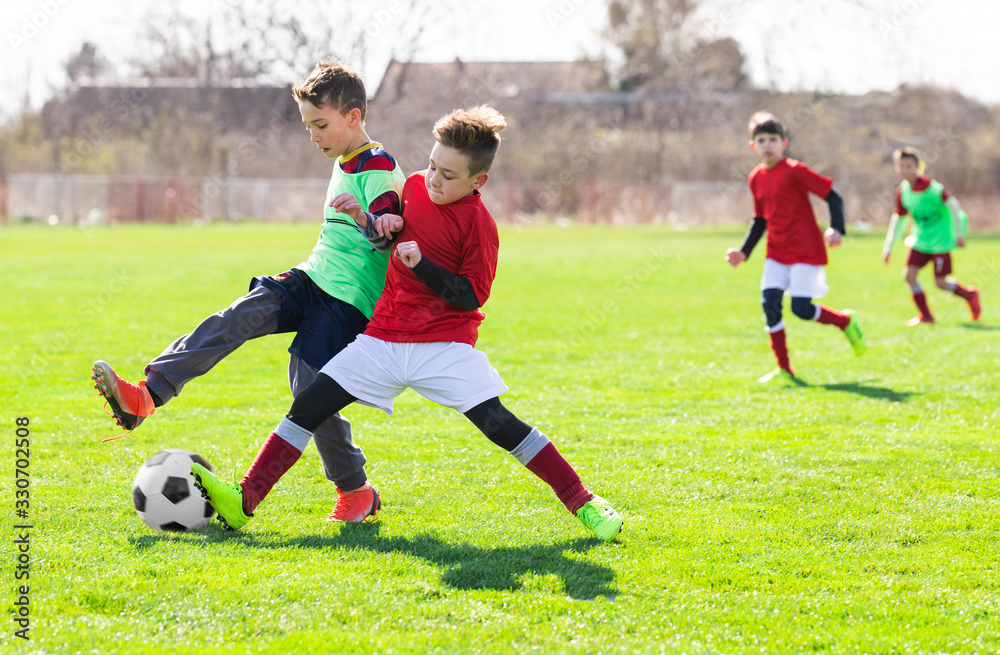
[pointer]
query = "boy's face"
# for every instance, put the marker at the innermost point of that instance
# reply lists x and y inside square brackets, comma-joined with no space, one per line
[335,134]
[769,147]
[447,178]
[907,169]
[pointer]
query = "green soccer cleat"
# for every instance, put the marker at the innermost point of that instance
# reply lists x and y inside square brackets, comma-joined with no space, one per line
[225,497]
[600,518]
[855,334]
[777,375]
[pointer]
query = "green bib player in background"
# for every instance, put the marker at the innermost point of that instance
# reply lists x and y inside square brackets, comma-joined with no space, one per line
[939,226]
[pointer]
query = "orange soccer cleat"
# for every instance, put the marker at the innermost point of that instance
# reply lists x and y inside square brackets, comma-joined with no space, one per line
[130,403]
[356,506]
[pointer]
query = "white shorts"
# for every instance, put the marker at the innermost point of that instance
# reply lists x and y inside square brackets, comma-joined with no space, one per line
[797,280]
[451,374]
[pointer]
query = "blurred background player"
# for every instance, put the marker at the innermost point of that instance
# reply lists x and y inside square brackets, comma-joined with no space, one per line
[796,253]
[423,333]
[939,226]
[326,300]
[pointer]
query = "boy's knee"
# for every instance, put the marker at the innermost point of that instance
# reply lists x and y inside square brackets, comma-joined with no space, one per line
[770,300]
[941,282]
[804,308]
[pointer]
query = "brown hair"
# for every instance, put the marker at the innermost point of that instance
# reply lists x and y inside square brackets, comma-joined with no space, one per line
[907,151]
[474,132]
[764,122]
[333,84]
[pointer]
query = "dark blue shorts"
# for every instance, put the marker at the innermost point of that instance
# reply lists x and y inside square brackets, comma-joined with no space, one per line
[323,325]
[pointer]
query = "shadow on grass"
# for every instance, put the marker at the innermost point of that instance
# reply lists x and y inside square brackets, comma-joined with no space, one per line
[879,393]
[472,567]
[463,566]
[980,327]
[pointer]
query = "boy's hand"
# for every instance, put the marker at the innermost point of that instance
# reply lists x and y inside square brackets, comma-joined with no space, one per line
[960,242]
[387,224]
[833,237]
[409,252]
[345,203]
[885,256]
[735,257]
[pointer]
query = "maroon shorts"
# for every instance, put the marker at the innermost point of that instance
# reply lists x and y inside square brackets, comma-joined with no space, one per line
[941,260]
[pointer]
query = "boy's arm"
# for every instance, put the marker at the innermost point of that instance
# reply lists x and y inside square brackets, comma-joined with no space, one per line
[836,204]
[892,236]
[834,235]
[453,288]
[736,256]
[378,230]
[898,223]
[958,224]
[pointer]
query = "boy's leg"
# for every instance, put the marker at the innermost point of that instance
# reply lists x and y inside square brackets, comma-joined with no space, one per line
[915,260]
[192,355]
[253,315]
[846,321]
[235,502]
[969,294]
[539,455]
[920,300]
[343,461]
[771,302]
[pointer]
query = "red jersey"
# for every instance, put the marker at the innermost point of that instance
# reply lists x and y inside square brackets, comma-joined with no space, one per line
[781,197]
[920,184]
[462,237]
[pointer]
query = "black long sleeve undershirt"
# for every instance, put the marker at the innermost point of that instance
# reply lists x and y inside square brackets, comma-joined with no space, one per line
[756,230]
[836,204]
[453,288]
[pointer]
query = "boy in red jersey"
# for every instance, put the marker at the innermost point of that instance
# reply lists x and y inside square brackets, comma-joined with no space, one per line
[939,226]
[424,329]
[796,252]
[326,300]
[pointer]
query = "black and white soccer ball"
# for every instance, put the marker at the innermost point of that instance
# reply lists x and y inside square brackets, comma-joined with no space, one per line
[164,494]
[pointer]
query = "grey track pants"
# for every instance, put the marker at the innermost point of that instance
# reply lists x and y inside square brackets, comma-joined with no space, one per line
[252,316]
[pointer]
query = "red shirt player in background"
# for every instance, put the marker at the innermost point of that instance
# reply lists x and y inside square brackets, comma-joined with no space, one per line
[796,252]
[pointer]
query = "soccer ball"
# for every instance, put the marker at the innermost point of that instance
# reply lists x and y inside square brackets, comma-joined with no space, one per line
[164,494]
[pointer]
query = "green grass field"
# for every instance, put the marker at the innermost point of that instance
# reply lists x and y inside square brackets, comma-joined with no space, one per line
[857,514]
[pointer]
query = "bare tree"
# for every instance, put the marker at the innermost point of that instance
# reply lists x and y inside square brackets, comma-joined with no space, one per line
[649,35]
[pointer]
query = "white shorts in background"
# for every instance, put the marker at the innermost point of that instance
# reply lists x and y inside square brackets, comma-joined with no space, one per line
[797,280]
[451,374]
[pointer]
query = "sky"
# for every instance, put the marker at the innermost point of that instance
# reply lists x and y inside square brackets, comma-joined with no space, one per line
[850,46]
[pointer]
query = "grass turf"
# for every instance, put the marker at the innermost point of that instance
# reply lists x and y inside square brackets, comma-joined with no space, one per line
[857,513]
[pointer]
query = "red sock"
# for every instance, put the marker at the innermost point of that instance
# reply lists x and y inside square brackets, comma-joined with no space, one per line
[780,350]
[556,472]
[920,298]
[963,292]
[273,460]
[829,317]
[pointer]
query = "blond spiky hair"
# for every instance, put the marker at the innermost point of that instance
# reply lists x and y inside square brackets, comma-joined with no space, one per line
[475,132]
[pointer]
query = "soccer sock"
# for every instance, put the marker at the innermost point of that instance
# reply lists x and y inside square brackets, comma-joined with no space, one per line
[273,460]
[963,292]
[829,317]
[556,472]
[920,299]
[780,349]
[156,399]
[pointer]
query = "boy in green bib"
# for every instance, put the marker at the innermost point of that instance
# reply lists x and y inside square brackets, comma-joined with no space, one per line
[939,226]
[326,301]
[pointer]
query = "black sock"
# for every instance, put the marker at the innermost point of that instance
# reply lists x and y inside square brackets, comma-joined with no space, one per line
[156,399]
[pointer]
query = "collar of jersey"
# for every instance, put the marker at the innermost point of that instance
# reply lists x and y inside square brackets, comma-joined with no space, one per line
[354,153]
